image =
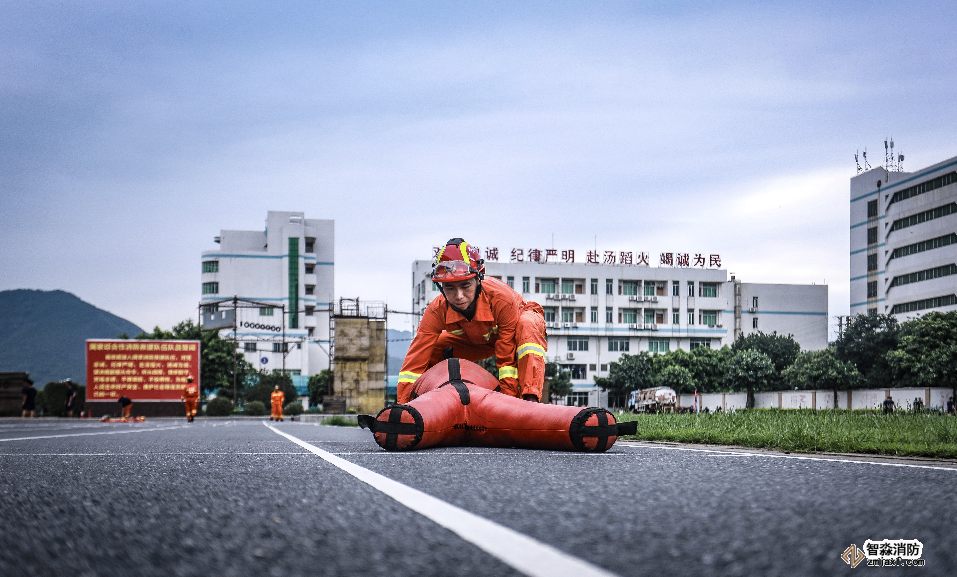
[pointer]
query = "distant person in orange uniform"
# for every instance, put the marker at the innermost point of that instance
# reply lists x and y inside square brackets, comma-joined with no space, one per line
[277,399]
[189,397]
[127,404]
[478,318]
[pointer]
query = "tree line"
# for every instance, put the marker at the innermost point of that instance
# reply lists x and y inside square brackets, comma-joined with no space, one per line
[873,351]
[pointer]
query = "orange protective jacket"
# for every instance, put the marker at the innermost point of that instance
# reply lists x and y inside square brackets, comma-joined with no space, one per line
[190,393]
[491,332]
[277,398]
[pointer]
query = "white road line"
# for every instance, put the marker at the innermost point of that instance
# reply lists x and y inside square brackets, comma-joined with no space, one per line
[798,457]
[88,434]
[189,454]
[520,551]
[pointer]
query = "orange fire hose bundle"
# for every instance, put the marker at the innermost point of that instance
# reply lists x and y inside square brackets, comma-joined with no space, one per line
[457,403]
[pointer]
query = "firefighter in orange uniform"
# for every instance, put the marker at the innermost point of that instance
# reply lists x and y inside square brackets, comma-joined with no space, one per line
[189,397]
[276,398]
[478,318]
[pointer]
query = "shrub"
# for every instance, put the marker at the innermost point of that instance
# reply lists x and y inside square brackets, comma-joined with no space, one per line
[255,409]
[219,407]
[340,421]
[292,409]
[351,411]
[53,401]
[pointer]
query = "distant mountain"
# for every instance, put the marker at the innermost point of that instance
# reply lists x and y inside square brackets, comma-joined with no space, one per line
[45,332]
[399,342]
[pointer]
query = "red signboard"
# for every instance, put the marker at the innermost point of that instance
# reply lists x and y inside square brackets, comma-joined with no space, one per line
[138,369]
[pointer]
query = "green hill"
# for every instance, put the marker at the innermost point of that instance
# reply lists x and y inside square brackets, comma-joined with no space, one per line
[45,332]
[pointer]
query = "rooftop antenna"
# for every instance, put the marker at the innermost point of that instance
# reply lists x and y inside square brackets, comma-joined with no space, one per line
[889,155]
[900,163]
[867,165]
[857,162]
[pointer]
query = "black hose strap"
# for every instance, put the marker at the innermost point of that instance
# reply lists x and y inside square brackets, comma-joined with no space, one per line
[455,379]
[395,427]
[578,430]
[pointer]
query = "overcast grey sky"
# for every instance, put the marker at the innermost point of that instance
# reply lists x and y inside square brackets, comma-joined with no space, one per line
[132,132]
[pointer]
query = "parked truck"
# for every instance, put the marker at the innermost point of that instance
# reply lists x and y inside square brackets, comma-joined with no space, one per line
[653,400]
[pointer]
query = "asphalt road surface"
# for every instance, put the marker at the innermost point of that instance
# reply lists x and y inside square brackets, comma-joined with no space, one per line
[243,497]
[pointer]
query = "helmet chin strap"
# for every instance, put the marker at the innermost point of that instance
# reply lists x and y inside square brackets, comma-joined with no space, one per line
[469,311]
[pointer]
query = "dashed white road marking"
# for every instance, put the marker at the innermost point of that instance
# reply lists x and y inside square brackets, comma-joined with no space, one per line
[521,552]
[88,434]
[720,453]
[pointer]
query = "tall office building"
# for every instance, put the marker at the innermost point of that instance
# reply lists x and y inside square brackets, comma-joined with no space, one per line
[903,241]
[288,266]
[596,312]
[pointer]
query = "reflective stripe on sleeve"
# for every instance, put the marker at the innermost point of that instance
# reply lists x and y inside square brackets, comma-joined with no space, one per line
[508,373]
[408,377]
[457,332]
[531,348]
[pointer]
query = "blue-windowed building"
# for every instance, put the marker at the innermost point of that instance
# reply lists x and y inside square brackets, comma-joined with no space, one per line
[904,240]
[288,269]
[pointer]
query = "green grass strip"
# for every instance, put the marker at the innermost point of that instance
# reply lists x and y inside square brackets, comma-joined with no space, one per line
[808,431]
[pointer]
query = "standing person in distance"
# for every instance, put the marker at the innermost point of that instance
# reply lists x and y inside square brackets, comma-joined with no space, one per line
[276,399]
[70,398]
[29,404]
[127,405]
[189,397]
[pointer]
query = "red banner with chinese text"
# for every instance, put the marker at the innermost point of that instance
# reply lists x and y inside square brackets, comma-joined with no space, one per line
[138,369]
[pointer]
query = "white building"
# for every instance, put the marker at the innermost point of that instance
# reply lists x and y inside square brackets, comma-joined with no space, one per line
[289,265]
[903,241]
[596,312]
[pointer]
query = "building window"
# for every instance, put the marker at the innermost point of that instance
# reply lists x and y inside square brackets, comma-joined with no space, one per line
[658,345]
[577,400]
[568,286]
[310,289]
[872,235]
[609,287]
[931,244]
[278,347]
[690,288]
[577,344]
[709,318]
[576,372]
[754,302]
[207,309]
[754,323]
[249,347]
[618,345]
[707,289]
[592,367]
[914,219]
[675,316]
[594,315]
[660,317]
[871,262]
[871,209]
[311,331]
[649,316]
[934,303]
[697,343]
[923,187]
[549,314]
[872,289]
[594,286]
[210,266]
[568,315]
[265,311]
[604,368]
[547,286]
[510,281]
[628,287]
[872,312]
[929,274]
[690,316]
[675,288]
[649,289]
[609,312]
[310,244]
[210,288]
[628,316]
[310,311]
[435,287]
[310,269]
[526,282]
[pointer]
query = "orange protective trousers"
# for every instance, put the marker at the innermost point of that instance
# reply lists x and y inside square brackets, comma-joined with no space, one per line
[126,411]
[530,330]
[190,407]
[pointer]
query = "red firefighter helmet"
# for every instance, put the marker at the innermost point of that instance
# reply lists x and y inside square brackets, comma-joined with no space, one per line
[458,260]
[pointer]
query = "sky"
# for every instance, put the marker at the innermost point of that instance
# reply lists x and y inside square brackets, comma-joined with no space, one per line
[131,133]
